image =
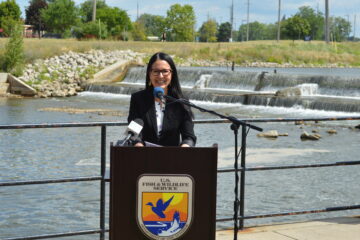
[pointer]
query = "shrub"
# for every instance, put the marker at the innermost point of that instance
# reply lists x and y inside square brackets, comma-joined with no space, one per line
[91,30]
[14,52]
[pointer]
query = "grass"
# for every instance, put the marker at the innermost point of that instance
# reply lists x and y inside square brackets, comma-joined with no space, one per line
[299,53]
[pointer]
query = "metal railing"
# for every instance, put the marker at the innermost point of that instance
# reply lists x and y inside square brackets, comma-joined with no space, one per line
[102,178]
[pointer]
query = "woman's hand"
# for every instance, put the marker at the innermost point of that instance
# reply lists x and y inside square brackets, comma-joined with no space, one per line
[184,145]
[139,144]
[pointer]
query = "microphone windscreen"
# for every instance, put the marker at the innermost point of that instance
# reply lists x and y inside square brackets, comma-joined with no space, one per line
[158,92]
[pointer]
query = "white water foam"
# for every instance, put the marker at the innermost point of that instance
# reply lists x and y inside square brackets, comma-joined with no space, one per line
[103,95]
[308,89]
[294,111]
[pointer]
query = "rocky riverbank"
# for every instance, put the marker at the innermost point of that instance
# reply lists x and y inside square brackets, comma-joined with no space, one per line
[64,75]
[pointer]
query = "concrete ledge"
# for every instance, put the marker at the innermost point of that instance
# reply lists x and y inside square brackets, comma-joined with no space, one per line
[114,72]
[19,87]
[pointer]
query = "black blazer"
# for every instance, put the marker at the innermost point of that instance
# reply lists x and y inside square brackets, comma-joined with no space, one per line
[177,121]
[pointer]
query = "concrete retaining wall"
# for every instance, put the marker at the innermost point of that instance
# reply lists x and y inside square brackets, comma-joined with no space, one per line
[11,84]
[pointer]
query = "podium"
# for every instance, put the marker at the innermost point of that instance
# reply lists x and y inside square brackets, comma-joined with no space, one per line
[162,193]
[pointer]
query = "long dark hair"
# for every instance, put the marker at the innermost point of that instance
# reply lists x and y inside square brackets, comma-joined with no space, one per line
[174,88]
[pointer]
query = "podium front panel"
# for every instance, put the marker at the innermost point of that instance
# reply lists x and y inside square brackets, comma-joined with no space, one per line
[129,164]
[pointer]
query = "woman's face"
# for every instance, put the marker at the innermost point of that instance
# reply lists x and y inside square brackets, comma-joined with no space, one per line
[160,74]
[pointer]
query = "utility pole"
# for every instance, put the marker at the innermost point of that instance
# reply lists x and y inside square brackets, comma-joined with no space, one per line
[94,11]
[231,20]
[354,26]
[247,19]
[279,23]
[137,10]
[327,23]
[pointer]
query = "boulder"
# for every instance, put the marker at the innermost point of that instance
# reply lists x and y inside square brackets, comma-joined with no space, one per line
[307,136]
[331,131]
[269,134]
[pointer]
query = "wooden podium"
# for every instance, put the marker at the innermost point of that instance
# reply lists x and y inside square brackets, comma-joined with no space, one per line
[162,193]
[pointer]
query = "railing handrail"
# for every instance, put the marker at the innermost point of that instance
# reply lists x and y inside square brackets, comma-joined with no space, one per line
[197,121]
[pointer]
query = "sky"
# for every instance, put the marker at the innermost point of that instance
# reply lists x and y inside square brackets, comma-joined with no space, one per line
[264,11]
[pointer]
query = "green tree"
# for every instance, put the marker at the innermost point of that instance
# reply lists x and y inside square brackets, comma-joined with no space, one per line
[86,9]
[315,19]
[257,31]
[270,31]
[138,32]
[208,31]
[180,23]
[296,27]
[224,32]
[117,20]
[60,16]
[90,30]
[33,14]
[9,14]
[154,25]
[14,51]
[340,28]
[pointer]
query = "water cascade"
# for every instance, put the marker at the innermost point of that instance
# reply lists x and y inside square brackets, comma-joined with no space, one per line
[266,88]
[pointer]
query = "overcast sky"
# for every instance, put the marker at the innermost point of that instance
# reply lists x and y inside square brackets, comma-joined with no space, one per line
[264,11]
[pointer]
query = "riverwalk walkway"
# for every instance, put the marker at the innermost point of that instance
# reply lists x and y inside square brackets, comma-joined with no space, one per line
[341,228]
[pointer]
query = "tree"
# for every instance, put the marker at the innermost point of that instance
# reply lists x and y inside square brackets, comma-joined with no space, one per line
[117,20]
[33,14]
[180,23]
[257,31]
[296,27]
[86,9]
[154,25]
[14,52]
[90,30]
[60,16]
[224,32]
[208,31]
[138,32]
[9,13]
[340,28]
[315,19]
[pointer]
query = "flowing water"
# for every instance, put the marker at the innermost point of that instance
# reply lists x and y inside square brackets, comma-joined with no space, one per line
[71,152]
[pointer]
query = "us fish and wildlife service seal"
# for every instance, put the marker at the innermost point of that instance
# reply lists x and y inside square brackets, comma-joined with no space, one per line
[165,205]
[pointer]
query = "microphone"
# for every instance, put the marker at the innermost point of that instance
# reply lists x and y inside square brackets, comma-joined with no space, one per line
[132,131]
[159,93]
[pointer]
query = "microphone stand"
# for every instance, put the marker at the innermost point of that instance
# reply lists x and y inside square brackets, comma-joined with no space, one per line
[234,127]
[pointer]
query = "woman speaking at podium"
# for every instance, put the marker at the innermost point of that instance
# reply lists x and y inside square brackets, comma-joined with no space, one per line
[166,123]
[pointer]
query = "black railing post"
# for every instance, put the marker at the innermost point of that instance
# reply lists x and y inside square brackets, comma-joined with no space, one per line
[235,128]
[103,183]
[242,186]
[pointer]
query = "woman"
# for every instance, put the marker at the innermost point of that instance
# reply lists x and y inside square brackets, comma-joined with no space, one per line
[164,123]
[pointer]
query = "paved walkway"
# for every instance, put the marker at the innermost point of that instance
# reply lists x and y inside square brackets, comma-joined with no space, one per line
[342,228]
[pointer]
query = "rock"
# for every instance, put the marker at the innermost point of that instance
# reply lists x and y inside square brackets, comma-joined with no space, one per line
[315,131]
[307,136]
[70,69]
[299,122]
[283,134]
[331,131]
[288,92]
[358,126]
[269,134]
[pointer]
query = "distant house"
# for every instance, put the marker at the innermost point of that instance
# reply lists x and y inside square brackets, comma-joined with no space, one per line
[29,31]
[153,38]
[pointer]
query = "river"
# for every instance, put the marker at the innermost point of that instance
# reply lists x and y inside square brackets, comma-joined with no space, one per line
[70,152]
